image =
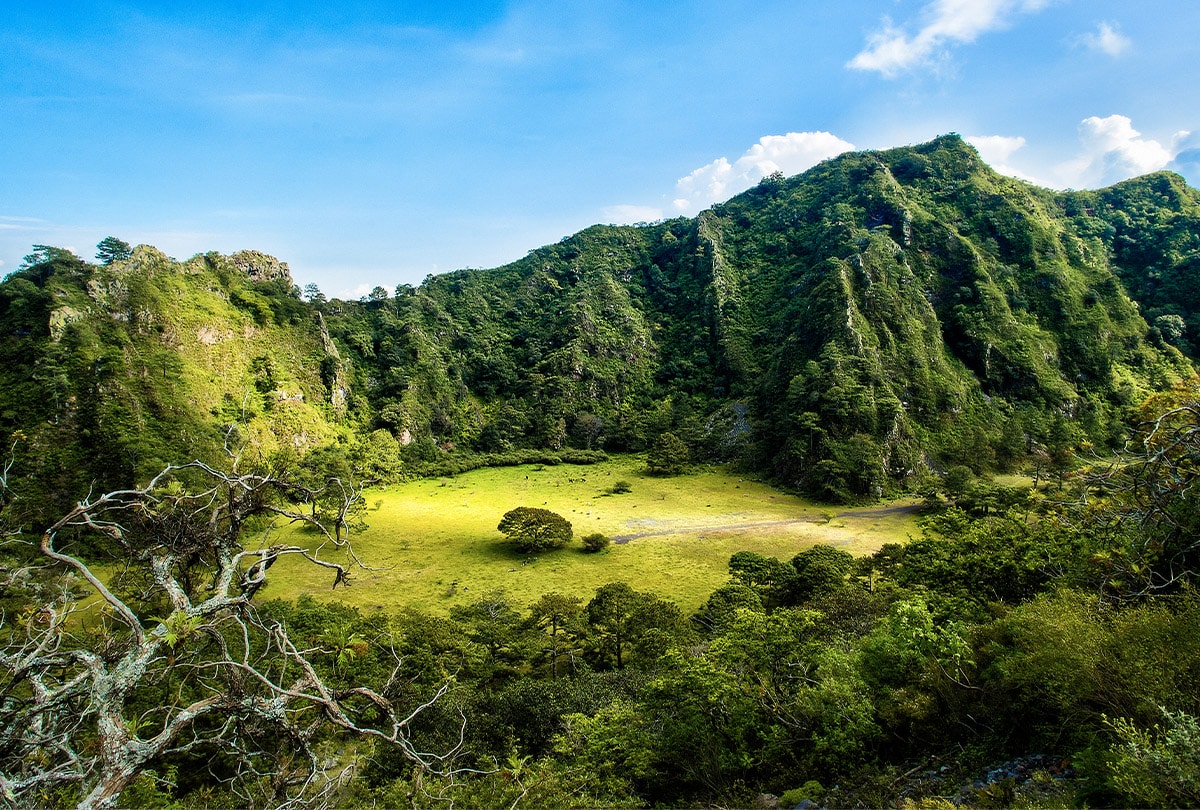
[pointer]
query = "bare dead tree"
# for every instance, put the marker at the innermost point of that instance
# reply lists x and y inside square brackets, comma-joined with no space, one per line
[102,675]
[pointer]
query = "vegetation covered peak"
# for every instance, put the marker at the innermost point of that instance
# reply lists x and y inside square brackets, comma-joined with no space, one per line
[878,318]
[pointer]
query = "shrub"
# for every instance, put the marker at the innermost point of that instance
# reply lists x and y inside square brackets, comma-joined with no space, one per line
[810,790]
[595,542]
[1158,767]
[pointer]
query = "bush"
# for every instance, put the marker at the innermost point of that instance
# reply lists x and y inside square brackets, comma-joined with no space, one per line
[465,462]
[818,570]
[573,456]
[620,488]
[1158,767]
[810,790]
[595,542]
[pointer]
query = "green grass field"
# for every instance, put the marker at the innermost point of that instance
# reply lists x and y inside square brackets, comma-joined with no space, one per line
[434,543]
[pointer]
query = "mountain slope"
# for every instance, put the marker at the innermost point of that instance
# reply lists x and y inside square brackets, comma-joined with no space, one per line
[882,313]
[845,330]
[924,301]
[111,372]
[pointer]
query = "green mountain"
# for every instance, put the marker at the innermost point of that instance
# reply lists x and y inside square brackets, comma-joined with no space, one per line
[845,330]
[111,372]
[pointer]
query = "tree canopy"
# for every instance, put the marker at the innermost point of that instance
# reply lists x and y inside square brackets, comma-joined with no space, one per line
[820,329]
[111,249]
[668,455]
[531,528]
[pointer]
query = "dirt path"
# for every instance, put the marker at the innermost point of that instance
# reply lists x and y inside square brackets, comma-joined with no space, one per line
[883,511]
[684,528]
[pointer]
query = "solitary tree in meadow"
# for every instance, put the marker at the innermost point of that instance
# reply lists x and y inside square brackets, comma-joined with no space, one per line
[530,528]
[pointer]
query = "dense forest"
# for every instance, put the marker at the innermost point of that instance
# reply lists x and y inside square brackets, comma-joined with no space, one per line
[905,321]
[848,332]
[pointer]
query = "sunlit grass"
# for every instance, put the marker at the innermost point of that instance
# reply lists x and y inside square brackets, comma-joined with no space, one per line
[434,543]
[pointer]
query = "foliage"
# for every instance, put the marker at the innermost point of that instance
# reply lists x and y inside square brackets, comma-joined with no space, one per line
[596,541]
[847,330]
[561,618]
[1063,661]
[113,371]
[819,569]
[494,625]
[1158,767]
[531,528]
[1151,223]
[768,697]
[519,782]
[983,560]
[769,577]
[624,623]
[722,607]
[962,647]
[111,249]
[427,534]
[668,456]
[888,320]
[1147,506]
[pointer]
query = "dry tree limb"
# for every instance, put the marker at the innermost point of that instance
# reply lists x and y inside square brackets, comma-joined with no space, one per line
[232,680]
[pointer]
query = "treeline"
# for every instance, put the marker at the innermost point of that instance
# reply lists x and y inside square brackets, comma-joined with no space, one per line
[1051,628]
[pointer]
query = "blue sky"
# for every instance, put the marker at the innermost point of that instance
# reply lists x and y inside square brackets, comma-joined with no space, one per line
[374,143]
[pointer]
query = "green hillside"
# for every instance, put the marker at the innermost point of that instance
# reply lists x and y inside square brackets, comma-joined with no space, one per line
[113,371]
[845,331]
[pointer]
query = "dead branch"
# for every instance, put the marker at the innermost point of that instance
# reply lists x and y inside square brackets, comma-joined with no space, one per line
[74,706]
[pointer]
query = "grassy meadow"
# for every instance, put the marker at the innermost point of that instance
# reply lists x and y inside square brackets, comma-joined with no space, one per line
[433,543]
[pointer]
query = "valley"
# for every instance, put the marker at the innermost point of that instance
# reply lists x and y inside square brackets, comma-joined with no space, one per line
[433,543]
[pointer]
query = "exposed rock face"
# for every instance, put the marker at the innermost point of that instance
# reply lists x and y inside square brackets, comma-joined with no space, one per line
[59,318]
[211,336]
[260,266]
[334,370]
[146,259]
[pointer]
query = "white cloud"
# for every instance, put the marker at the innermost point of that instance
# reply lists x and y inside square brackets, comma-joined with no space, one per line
[704,186]
[20,223]
[996,151]
[790,154]
[1106,39]
[629,214]
[892,51]
[996,148]
[1113,151]
[354,293]
[1187,157]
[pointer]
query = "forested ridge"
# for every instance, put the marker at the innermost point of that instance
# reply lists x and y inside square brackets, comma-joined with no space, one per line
[847,331]
[896,321]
